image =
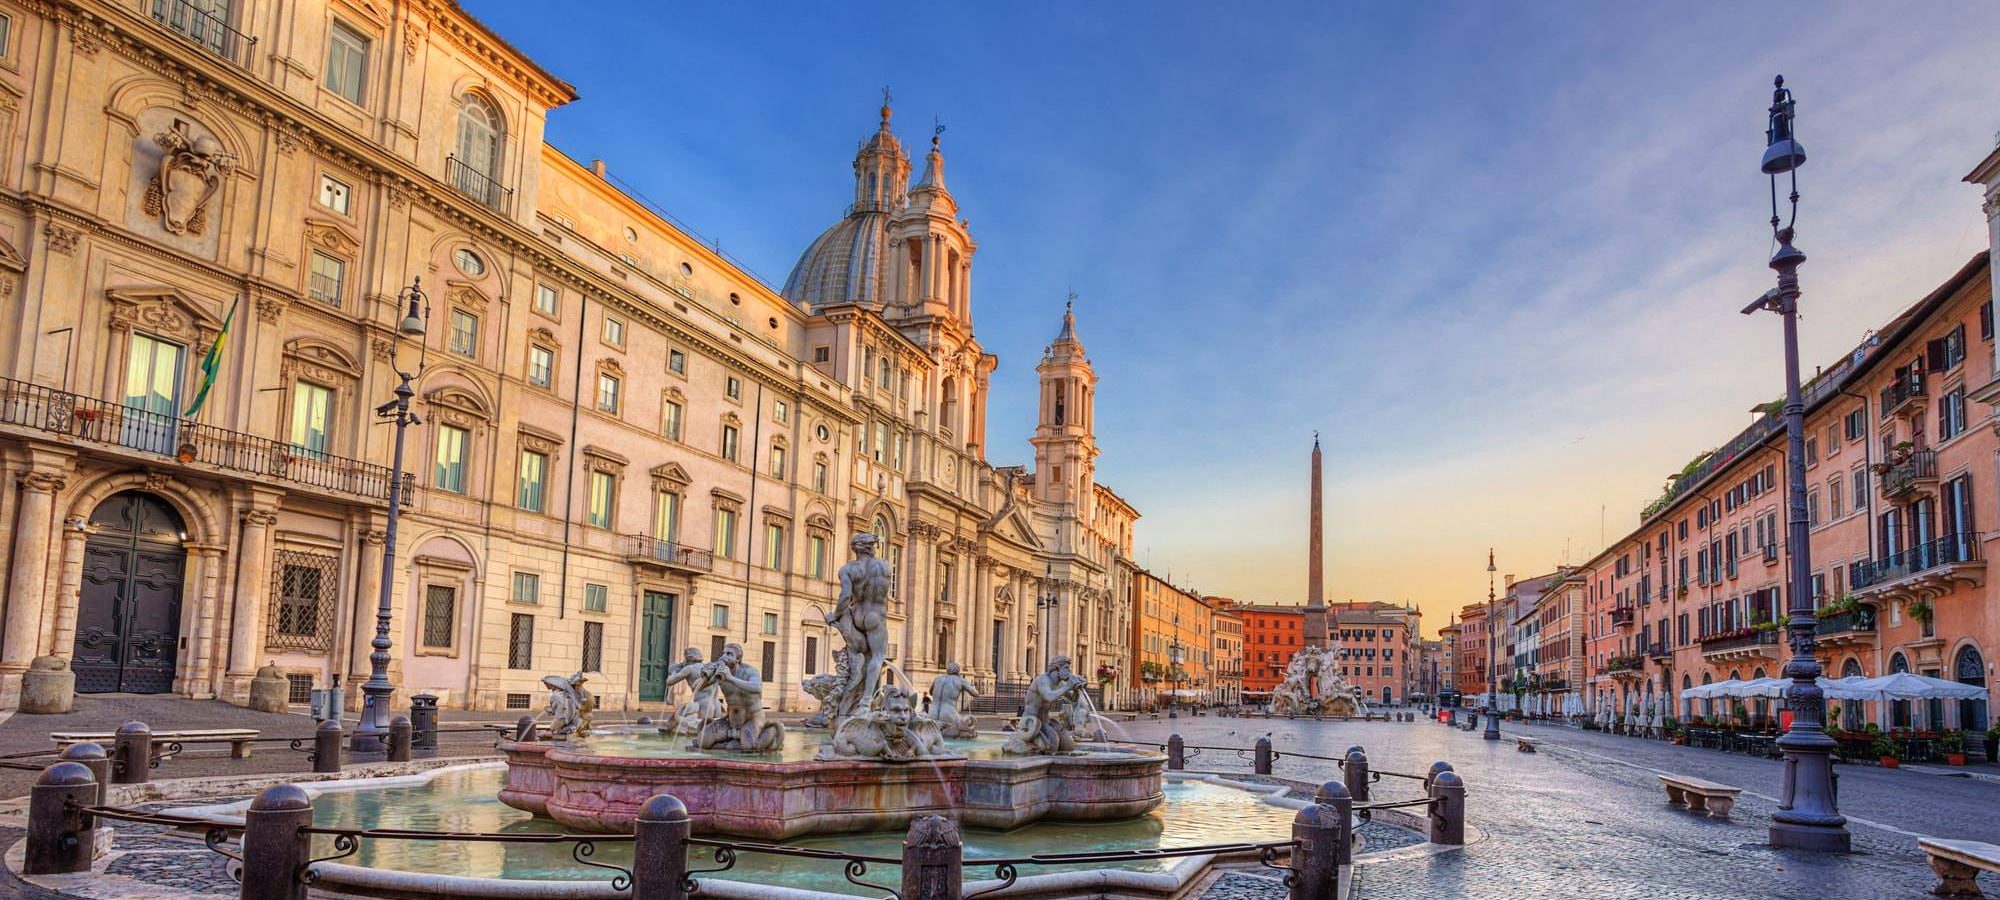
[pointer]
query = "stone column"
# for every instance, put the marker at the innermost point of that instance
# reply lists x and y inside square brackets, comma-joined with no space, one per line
[62,639]
[204,564]
[27,580]
[366,599]
[245,641]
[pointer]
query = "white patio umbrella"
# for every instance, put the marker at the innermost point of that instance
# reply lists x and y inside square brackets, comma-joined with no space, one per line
[1906,686]
[1719,689]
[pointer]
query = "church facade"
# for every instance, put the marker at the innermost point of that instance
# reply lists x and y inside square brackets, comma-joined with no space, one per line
[627,445]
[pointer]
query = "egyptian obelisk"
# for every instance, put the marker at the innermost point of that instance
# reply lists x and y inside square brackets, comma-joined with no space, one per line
[1316,630]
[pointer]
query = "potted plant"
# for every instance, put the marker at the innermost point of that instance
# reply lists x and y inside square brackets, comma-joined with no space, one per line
[1920,610]
[1740,713]
[1993,743]
[1952,743]
[1888,752]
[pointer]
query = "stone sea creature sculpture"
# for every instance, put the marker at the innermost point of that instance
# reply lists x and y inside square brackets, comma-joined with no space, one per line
[569,708]
[1313,686]
[891,731]
[1047,722]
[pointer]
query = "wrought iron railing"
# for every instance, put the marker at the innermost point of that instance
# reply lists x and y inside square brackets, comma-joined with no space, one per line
[479,185]
[102,421]
[1952,549]
[1622,615]
[1901,391]
[1739,639]
[1860,620]
[672,553]
[1904,475]
[198,23]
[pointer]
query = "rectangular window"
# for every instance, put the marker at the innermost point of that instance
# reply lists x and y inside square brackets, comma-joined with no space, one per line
[718,617]
[596,598]
[603,491]
[1812,508]
[812,655]
[347,63]
[1951,414]
[440,615]
[770,656]
[614,331]
[774,546]
[777,461]
[770,623]
[781,411]
[725,533]
[677,362]
[819,477]
[328,278]
[303,601]
[541,366]
[671,414]
[548,300]
[1835,497]
[527,588]
[729,442]
[1859,481]
[334,194]
[822,354]
[449,474]
[521,642]
[593,647]
[608,387]
[666,515]
[531,493]
[312,413]
[464,333]
[733,386]
[817,561]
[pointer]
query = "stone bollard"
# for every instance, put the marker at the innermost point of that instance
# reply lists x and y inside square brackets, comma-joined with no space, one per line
[1326,844]
[659,851]
[92,757]
[132,754]
[1176,753]
[644,721]
[326,746]
[401,736]
[1447,809]
[524,729]
[424,722]
[61,837]
[1263,761]
[1356,771]
[1436,768]
[933,860]
[274,847]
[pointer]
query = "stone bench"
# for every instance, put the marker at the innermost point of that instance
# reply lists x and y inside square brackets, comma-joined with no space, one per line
[1957,863]
[1700,796]
[238,739]
[1526,745]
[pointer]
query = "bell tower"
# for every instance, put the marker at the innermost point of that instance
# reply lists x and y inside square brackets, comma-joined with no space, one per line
[1065,440]
[881,171]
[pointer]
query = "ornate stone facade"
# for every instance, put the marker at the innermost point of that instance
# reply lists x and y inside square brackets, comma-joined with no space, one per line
[629,446]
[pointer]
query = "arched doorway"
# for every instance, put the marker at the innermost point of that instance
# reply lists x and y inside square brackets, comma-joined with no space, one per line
[1899,710]
[1850,716]
[128,615]
[1970,668]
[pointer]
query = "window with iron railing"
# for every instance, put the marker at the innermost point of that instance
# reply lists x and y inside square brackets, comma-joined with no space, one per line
[302,601]
[205,22]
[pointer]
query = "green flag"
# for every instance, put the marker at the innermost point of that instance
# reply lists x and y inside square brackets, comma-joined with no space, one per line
[212,362]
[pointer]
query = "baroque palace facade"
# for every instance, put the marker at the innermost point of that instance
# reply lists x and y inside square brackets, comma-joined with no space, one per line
[627,445]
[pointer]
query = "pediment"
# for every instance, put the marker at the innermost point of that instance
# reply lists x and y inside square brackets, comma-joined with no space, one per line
[331,236]
[466,295]
[672,474]
[318,354]
[543,336]
[165,311]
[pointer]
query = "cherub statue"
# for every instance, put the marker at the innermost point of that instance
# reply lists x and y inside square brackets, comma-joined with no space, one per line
[892,732]
[569,706]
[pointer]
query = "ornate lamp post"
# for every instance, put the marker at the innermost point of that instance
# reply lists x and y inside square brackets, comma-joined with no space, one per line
[1807,817]
[1045,612]
[1174,678]
[1492,732]
[371,732]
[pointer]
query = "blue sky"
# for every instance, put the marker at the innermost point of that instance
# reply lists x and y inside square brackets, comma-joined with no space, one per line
[1493,253]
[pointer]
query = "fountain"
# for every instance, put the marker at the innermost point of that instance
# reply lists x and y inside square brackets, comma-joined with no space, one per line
[882,762]
[1313,686]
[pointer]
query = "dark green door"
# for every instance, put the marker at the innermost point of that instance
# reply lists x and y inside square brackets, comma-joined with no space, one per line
[656,641]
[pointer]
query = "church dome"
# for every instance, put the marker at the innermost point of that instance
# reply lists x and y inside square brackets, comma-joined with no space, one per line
[844,264]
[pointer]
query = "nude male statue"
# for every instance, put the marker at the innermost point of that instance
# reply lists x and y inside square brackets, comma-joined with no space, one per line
[947,691]
[1045,725]
[706,702]
[743,729]
[861,617]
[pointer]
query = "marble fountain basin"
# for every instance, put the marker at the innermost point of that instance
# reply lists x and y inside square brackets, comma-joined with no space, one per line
[599,783]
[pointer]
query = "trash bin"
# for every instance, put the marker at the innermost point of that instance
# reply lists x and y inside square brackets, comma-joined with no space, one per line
[424,721]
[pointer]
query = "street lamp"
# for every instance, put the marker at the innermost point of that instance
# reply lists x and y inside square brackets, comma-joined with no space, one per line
[1174,677]
[1045,611]
[1807,816]
[371,732]
[1492,732]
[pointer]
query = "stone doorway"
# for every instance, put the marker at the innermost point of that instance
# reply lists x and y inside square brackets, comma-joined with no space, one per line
[129,611]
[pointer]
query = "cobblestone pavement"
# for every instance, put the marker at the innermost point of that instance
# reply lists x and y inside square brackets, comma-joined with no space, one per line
[1586,817]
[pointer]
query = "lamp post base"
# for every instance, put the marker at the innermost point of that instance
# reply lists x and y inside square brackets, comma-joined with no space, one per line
[1817,838]
[371,730]
[1492,726]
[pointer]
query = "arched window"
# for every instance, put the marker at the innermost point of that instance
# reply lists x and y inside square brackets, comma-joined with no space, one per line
[1850,710]
[948,407]
[1899,710]
[1970,668]
[478,156]
[1707,703]
[1687,704]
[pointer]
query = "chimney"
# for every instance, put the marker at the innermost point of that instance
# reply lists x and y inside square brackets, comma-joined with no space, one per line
[597,165]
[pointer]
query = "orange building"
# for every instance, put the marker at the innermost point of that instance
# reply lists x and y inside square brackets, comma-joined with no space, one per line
[1377,648]
[1469,659]
[1170,622]
[1271,634]
[1227,665]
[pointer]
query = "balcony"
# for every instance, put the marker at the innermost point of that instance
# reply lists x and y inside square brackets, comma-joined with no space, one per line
[1927,571]
[1623,615]
[479,185]
[163,436]
[668,555]
[1917,470]
[205,29]
[1740,644]
[1659,651]
[1626,667]
[1848,629]
[1904,395]
[1770,554]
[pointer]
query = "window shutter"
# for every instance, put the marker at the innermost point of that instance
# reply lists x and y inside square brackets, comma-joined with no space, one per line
[1935,352]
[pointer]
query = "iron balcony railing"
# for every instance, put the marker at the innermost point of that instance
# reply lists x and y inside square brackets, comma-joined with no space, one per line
[1632,663]
[1770,553]
[1952,549]
[1919,466]
[1900,391]
[1860,620]
[198,23]
[672,554]
[1623,615]
[1739,639]
[101,421]
[479,185]
[1658,649]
